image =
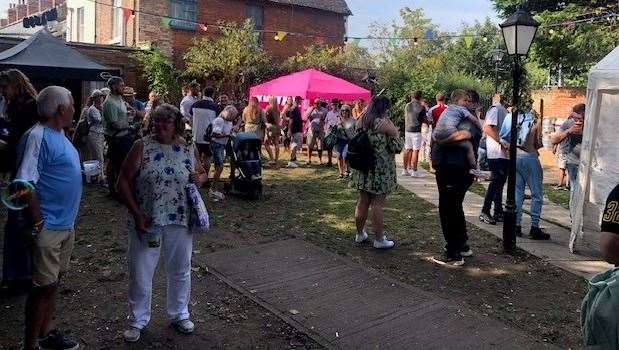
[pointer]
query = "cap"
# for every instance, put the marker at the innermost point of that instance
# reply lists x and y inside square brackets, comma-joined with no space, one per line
[128,91]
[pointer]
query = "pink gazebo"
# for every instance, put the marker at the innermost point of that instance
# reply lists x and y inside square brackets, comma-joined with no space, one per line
[309,84]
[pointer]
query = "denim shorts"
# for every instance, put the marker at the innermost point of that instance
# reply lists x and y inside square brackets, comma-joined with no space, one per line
[219,154]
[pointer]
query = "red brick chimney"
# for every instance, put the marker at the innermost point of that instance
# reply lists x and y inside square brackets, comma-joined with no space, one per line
[22,10]
[34,7]
[4,22]
[12,13]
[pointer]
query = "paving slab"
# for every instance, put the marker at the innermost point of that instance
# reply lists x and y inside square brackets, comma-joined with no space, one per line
[343,305]
[586,261]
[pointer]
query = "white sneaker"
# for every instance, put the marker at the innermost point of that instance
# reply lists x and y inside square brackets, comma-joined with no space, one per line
[292,165]
[405,173]
[480,174]
[361,237]
[132,334]
[183,326]
[384,243]
[417,174]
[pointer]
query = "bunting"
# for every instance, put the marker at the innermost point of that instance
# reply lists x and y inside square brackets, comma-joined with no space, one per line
[429,34]
[165,22]
[127,13]
[203,27]
[280,36]
[468,40]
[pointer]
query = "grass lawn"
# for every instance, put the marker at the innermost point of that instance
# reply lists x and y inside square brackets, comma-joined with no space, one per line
[312,204]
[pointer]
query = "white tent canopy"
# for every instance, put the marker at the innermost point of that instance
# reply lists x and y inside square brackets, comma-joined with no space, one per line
[599,157]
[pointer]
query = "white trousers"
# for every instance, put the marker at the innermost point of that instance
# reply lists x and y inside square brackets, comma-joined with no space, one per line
[176,243]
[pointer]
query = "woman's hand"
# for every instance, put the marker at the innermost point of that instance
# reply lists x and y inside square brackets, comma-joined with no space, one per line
[142,223]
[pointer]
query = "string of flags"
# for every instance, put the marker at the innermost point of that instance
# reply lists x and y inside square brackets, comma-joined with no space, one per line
[429,34]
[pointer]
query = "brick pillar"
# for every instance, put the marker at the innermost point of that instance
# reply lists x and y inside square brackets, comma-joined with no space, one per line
[150,28]
[22,11]
[34,7]
[4,22]
[12,15]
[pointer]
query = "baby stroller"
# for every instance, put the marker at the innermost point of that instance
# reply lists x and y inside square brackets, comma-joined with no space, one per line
[245,166]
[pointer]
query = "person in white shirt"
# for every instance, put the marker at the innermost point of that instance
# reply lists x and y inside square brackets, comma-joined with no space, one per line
[191,96]
[498,162]
[331,120]
[222,128]
[202,114]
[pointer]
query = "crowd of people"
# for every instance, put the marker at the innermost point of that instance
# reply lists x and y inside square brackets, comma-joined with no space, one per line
[148,153]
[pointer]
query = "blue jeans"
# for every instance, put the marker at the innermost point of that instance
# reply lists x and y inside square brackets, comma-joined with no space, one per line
[219,154]
[529,172]
[572,173]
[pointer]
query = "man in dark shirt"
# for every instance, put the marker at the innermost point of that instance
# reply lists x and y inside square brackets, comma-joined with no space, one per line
[453,181]
[295,130]
[609,240]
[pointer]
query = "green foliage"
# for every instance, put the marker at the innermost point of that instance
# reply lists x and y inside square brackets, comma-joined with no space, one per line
[161,75]
[232,62]
[346,62]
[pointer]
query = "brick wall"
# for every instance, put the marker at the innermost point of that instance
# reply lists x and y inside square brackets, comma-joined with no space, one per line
[103,21]
[22,11]
[33,7]
[558,102]
[12,15]
[4,22]
[276,17]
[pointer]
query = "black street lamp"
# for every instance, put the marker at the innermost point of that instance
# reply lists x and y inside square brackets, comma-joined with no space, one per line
[497,58]
[518,32]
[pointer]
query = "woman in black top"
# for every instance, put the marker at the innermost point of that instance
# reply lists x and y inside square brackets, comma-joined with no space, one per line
[22,114]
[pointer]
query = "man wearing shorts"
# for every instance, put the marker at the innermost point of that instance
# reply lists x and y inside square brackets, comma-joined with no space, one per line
[203,113]
[48,160]
[414,116]
[295,131]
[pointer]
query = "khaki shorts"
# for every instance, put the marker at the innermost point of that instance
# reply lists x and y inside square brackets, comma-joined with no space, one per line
[51,253]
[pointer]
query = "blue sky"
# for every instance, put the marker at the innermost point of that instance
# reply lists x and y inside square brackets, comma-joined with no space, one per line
[448,14]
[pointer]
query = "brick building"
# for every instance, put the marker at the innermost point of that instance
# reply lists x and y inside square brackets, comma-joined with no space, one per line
[117,24]
[557,102]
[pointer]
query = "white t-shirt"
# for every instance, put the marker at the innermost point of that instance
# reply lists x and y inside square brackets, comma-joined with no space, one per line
[223,127]
[186,104]
[495,117]
[331,120]
[202,115]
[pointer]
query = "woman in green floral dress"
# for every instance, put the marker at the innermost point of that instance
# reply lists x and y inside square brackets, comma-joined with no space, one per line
[376,184]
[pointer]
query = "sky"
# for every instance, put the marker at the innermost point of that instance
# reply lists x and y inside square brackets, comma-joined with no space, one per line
[449,15]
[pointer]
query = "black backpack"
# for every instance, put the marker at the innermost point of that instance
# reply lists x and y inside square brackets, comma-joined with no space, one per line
[360,154]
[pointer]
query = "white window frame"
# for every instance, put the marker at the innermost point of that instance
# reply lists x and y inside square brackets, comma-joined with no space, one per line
[118,23]
[79,16]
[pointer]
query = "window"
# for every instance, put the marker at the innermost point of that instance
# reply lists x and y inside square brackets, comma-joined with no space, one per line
[80,24]
[184,14]
[117,22]
[71,25]
[256,14]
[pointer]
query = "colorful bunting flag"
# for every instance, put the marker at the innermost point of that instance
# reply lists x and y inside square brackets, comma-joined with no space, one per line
[468,40]
[429,34]
[203,27]
[279,36]
[127,13]
[165,22]
[356,41]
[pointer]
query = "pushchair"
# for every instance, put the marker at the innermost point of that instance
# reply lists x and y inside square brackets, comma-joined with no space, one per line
[245,166]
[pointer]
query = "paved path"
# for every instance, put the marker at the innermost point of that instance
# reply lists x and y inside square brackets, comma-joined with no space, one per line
[585,262]
[342,305]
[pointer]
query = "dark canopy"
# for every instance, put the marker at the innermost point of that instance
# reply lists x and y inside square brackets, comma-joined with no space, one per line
[44,56]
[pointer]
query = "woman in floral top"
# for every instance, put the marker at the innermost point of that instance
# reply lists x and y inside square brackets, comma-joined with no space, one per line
[152,182]
[376,184]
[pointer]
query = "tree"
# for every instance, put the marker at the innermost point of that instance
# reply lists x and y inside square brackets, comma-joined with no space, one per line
[161,75]
[231,62]
[347,62]
[569,50]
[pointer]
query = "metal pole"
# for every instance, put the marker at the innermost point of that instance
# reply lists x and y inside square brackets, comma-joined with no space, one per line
[509,224]
[496,77]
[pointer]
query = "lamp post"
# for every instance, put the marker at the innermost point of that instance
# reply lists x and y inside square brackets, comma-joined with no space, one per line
[497,57]
[518,33]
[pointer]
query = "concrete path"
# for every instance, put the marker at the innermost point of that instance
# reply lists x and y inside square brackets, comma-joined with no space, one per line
[586,262]
[342,305]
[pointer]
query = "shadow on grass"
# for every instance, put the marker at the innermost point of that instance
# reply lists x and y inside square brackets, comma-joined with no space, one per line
[312,204]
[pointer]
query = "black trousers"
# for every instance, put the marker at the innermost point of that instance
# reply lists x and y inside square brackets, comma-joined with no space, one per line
[117,150]
[498,167]
[453,182]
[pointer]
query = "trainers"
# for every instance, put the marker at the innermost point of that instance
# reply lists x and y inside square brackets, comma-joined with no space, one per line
[417,174]
[183,326]
[451,260]
[361,237]
[292,164]
[132,334]
[537,233]
[55,340]
[384,243]
[480,174]
[217,195]
[405,173]
[466,252]
[486,218]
